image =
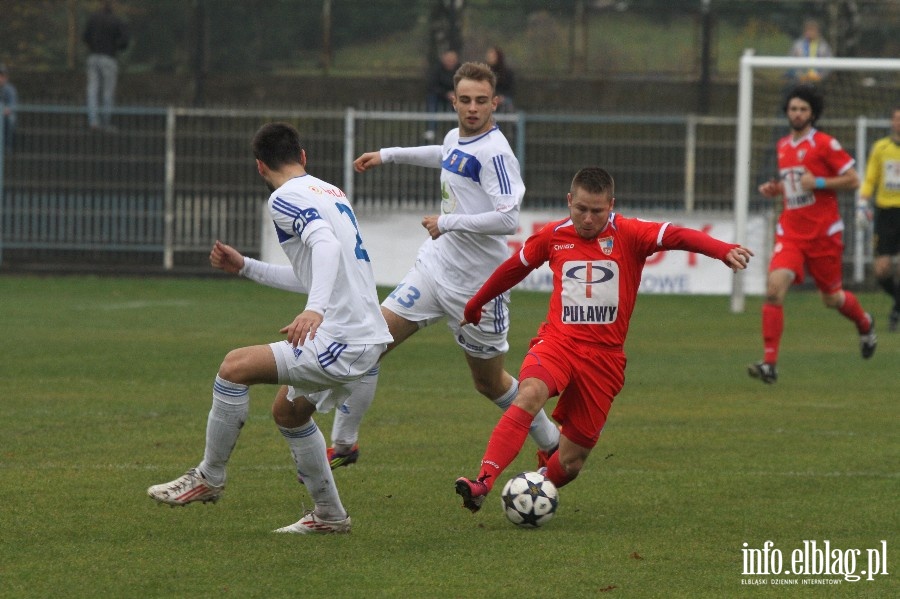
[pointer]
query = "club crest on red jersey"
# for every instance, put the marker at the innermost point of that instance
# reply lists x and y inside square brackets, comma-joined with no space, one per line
[801,154]
[606,244]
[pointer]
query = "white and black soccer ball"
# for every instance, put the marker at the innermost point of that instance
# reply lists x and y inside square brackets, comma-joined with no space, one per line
[529,499]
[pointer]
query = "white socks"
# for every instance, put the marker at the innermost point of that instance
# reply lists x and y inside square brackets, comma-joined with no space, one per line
[230,405]
[348,416]
[307,445]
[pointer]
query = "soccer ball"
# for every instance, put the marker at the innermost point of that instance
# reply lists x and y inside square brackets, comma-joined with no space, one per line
[529,499]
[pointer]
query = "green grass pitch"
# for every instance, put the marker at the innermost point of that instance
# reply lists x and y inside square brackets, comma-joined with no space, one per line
[106,384]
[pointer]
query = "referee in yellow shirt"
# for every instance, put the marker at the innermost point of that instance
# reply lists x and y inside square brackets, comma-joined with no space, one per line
[883,181]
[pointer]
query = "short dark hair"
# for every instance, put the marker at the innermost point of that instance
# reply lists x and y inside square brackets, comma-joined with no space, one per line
[594,179]
[477,71]
[277,145]
[809,94]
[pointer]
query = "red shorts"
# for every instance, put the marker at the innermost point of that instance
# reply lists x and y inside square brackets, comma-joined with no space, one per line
[823,258]
[587,379]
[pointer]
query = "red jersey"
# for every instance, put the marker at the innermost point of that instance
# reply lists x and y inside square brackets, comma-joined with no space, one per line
[595,281]
[810,214]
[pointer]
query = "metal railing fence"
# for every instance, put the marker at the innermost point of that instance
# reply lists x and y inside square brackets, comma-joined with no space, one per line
[158,190]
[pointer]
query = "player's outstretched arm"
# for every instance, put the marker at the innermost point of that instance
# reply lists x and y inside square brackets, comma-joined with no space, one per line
[734,256]
[224,257]
[367,161]
[738,258]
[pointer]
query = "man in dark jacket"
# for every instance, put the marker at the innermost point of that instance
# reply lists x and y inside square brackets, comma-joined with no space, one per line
[105,36]
[8,100]
[439,87]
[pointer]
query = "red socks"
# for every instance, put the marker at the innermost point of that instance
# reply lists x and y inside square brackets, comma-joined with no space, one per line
[772,329]
[556,473]
[505,444]
[852,310]
[773,324]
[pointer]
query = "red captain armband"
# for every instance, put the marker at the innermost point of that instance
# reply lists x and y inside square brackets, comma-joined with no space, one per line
[691,240]
[509,274]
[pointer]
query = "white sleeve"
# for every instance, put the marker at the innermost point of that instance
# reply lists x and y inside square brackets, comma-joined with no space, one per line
[418,156]
[486,223]
[326,259]
[503,184]
[272,275]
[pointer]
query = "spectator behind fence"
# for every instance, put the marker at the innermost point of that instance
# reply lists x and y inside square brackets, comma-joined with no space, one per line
[810,45]
[8,99]
[506,79]
[439,87]
[105,35]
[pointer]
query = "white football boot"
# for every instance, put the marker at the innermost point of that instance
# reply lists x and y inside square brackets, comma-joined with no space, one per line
[187,488]
[310,524]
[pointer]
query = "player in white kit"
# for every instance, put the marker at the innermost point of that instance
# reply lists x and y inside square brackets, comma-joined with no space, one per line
[336,340]
[481,192]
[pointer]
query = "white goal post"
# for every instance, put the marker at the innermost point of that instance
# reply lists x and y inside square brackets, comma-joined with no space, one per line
[749,62]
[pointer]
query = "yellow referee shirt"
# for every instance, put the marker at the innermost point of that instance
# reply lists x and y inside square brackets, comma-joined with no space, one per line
[883,174]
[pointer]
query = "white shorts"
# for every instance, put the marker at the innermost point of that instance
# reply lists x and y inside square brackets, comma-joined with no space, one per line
[323,370]
[420,299]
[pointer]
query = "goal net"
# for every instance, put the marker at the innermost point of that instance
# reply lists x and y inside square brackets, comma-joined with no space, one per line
[859,94]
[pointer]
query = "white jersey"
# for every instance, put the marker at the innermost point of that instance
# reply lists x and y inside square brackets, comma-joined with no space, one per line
[481,194]
[318,231]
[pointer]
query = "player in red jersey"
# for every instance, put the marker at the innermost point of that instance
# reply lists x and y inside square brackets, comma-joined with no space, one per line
[597,257]
[813,167]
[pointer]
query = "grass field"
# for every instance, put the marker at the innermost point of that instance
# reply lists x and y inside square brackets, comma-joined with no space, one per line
[107,383]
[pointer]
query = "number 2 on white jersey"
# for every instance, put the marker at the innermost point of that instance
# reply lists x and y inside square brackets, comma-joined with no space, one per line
[361,253]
